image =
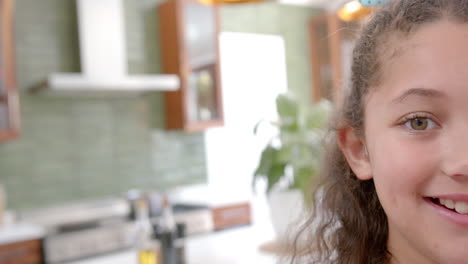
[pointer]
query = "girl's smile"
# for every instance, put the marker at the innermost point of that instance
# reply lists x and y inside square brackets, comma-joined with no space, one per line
[453,206]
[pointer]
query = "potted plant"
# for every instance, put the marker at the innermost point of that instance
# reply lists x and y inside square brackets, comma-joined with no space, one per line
[291,159]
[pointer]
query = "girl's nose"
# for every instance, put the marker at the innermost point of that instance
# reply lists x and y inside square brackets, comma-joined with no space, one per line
[456,170]
[455,158]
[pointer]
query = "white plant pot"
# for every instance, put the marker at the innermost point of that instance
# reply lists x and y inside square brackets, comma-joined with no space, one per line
[286,209]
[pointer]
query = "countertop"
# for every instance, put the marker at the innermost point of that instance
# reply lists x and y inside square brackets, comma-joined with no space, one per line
[13,233]
[239,245]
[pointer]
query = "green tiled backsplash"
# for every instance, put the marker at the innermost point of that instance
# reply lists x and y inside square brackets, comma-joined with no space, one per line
[83,148]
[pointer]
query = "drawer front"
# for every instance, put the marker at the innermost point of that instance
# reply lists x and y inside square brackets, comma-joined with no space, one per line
[69,246]
[27,252]
[229,216]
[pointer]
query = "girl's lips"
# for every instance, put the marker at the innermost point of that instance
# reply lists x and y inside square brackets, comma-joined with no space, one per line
[451,215]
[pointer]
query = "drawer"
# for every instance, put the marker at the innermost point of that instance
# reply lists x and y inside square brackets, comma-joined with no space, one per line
[26,252]
[233,215]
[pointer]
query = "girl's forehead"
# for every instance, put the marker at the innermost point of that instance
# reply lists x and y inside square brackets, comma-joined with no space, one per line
[435,56]
[394,44]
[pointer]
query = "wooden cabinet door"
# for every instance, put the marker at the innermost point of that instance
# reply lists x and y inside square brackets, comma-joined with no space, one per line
[189,33]
[331,44]
[9,106]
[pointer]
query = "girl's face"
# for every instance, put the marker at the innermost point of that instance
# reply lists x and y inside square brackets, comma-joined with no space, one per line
[416,145]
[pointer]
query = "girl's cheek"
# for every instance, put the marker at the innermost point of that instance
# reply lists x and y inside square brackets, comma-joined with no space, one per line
[402,161]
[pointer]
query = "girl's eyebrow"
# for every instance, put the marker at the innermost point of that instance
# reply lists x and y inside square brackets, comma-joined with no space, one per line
[424,92]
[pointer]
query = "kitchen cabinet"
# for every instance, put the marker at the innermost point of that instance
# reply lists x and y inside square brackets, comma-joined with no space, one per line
[189,34]
[24,252]
[331,44]
[9,106]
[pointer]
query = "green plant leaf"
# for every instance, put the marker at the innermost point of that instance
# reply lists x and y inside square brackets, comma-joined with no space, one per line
[275,174]
[301,130]
[303,180]
[270,167]
[267,159]
[287,106]
[302,177]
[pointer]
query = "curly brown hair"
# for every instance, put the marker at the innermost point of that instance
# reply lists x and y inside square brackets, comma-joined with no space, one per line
[347,224]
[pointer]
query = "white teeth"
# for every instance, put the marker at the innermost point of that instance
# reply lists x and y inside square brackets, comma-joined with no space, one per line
[443,201]
[461,207]
[448,203]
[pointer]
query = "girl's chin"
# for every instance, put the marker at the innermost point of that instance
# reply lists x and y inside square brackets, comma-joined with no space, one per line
[454,256]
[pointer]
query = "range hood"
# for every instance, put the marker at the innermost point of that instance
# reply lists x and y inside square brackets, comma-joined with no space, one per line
[103,55]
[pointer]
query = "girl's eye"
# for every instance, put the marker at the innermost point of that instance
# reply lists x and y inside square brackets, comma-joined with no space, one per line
[420,124]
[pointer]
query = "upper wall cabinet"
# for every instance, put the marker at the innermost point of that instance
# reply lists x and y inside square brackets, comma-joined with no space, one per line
[331,45]
[9,106]
[189,34]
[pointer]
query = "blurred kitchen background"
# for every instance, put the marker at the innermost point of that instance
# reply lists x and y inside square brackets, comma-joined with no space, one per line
[117,112]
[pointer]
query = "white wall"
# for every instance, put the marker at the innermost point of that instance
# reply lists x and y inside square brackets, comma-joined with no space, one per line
[253,70]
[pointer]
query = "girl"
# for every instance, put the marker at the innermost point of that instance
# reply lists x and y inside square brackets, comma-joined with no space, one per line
[395,180]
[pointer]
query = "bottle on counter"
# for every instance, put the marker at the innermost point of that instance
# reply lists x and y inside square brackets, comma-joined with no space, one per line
[148,249]
[171,235]
[166,233]
[180,243]
[167,220]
